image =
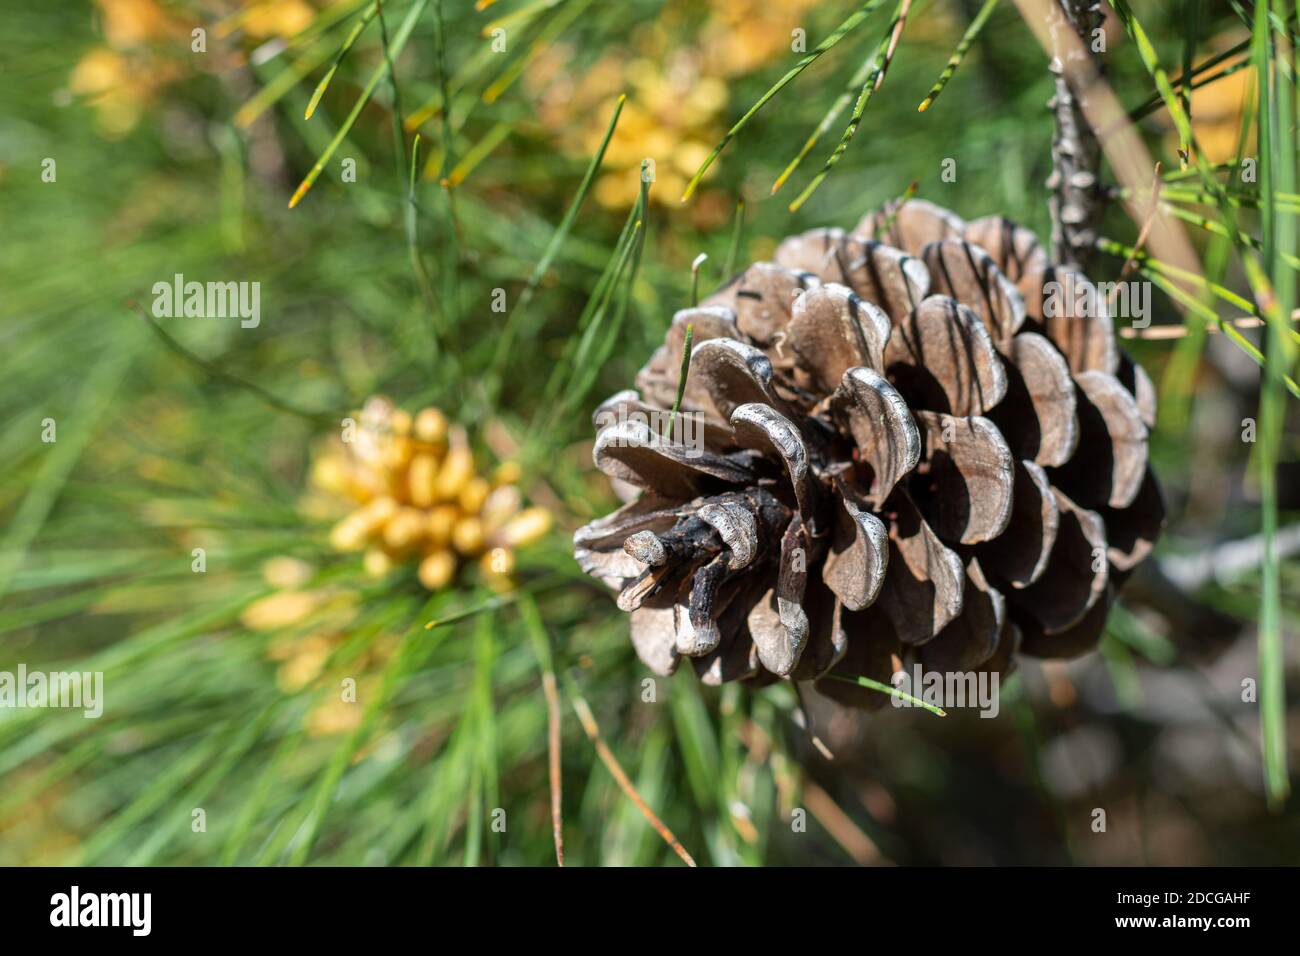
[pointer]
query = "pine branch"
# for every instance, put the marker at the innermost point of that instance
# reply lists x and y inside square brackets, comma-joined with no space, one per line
[1076,203]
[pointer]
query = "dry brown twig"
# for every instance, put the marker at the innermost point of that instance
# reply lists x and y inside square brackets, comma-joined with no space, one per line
[552,693]
[1164,332]
[1122,146]
[893,40]
[1076,199]
[1142,233]
[820,804]
[839,825]
[592,730]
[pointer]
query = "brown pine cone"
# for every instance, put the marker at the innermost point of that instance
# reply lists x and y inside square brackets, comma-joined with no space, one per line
[913,450]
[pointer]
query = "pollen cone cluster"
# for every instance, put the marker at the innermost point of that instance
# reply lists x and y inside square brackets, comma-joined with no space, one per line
[419,498]
[920,444]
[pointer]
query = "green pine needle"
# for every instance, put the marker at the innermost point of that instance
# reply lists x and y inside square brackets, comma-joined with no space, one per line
[384,69]
[352,36]
[888,690]
[737,233]
[556,242]
[838,34]
[884,56]
[954,61]
[681,379]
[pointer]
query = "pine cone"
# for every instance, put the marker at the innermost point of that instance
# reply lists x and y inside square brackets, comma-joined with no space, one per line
[906,458]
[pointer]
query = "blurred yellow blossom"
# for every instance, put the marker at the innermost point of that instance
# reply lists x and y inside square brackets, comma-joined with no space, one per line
[1216,108]
[147,47]
[135,23]
[418,498]
[122,78]
[677,95]
[275,18]
[118,92]
[411,493]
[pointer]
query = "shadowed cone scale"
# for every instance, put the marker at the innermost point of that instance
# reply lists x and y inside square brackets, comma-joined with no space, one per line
[920,443]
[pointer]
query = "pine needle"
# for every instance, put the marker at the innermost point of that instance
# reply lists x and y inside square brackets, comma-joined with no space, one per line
[584,361]
[550,32]
[1147,54]
[860,847]
[737,231]
[681,380]
[1219,229]
[838,34]
[841,103]
[1153,103]
[954,61]
[592,730]
[446,156]
[1289,202]
[702,258]
[279,86]
[352,36]
[1162,333]
[884,56]
[1153,208]
[484,608]
[542,650]
[303,837]
[886,689]
[888,220]
[399,41]
[23,525]
[518,17]
[555,244]
[422,280]
[227,378]
[1277,103]
[477,153]
[1129,253]
[1229,329]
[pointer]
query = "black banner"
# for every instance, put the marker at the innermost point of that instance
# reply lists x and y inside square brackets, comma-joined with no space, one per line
[910,907]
